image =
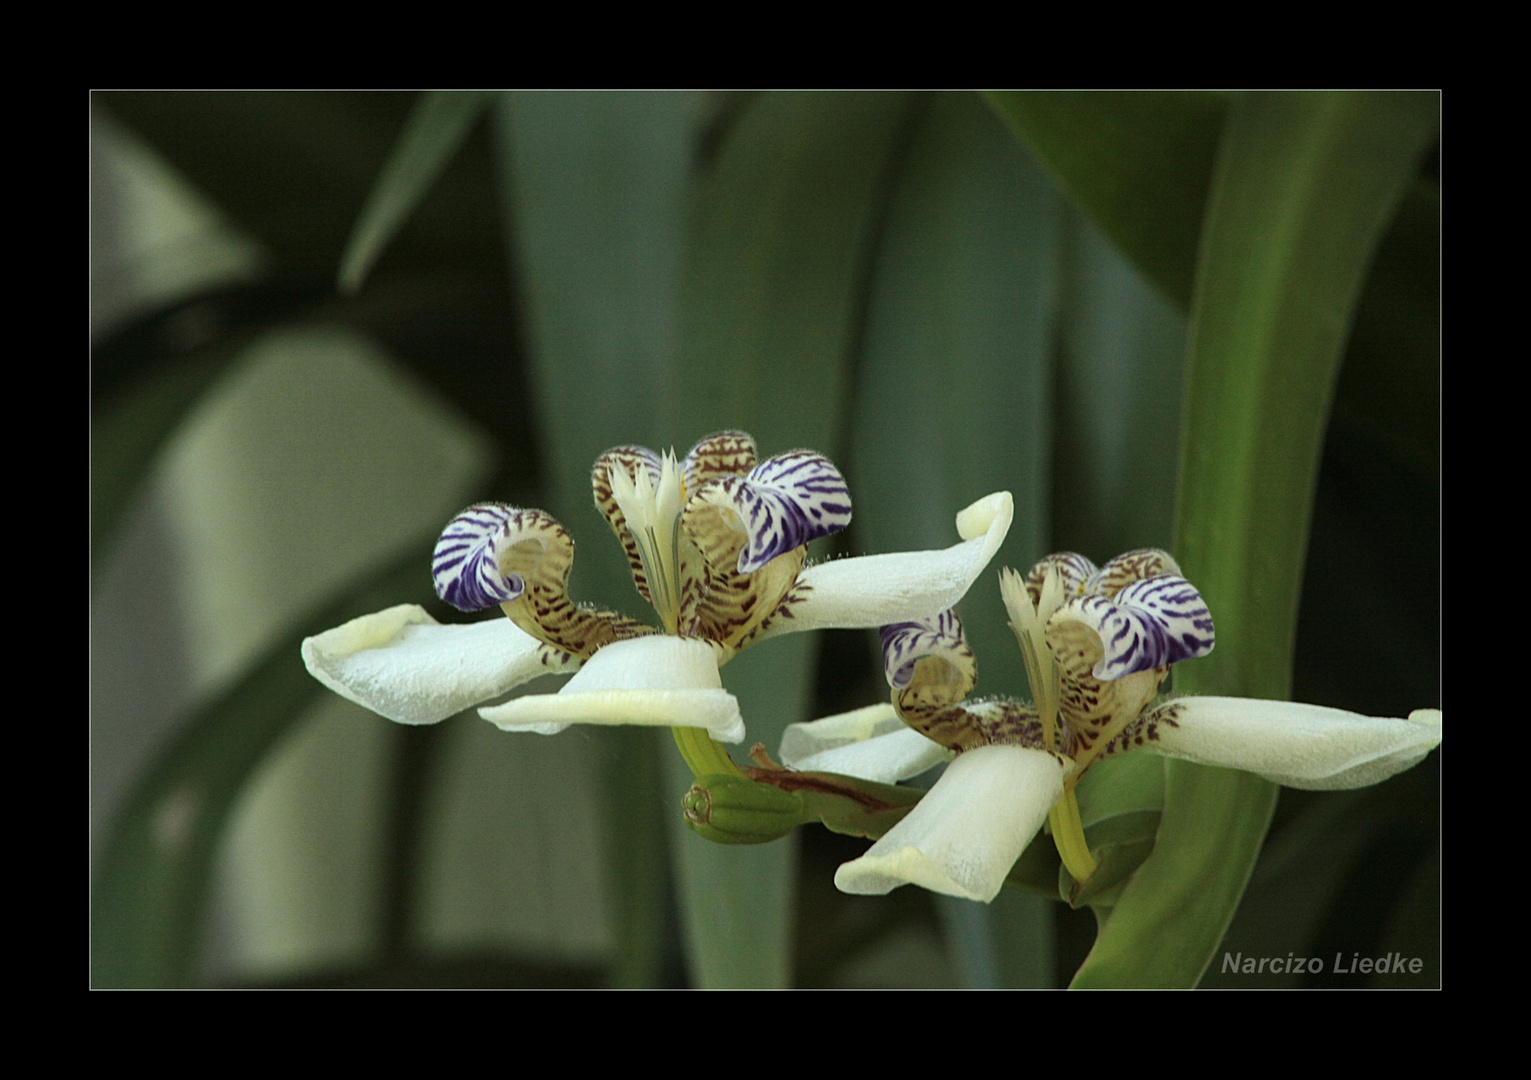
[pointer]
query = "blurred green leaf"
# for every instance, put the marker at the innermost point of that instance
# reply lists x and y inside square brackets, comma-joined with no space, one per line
[1139,164]
[1306,184]
[771,306]
[436,128]
[1126,784]
[1389,387]
[291,168]
[1120,844]
[595,201]
[128,433]
[1299,872]
[151,882]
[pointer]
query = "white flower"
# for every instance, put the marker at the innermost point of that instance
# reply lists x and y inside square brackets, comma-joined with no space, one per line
[716,543]
[1097,643]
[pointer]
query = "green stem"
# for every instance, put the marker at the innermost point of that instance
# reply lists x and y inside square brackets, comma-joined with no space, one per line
[704,755]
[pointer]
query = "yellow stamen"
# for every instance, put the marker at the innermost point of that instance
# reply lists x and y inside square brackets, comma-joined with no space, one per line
[1029,623]
[1068,836]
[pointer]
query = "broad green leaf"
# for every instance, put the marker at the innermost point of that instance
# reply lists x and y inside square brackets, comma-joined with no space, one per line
[771,305]
[955,396]
[151,882]
[1305,185]
[436,128]
[1138,164]
[1117,395]
[595,201]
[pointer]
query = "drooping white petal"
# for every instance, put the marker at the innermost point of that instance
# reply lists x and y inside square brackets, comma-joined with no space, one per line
[870,744]
[657,680]
[965,835]
[875,590]
[404,665]
[1300,746]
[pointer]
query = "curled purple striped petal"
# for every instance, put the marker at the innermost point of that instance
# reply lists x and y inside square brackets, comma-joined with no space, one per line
[905,643]
[1072,569]
[787,501]
[1150,624]
[466,565]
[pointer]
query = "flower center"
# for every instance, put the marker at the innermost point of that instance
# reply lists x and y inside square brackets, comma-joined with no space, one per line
[653,518]
[1029,622]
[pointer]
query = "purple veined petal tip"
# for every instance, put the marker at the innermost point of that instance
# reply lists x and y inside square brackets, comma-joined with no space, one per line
[905,643]
[1158,621]
[896,638]
[466,566]
[787,501]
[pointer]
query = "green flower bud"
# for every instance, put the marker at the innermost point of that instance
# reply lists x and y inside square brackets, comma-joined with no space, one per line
[737,810]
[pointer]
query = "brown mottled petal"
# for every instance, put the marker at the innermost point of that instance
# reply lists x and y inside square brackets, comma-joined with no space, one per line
[726,453]
[931,670]
[543,554]
[1144,732]
[1074,570]
[630,459]
[953,726]
[1094,712]
[728,605]
[1005,722]
[1123,570]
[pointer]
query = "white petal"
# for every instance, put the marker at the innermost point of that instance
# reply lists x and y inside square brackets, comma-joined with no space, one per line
[1300,746]
[878,589]
[654,681]
[870,744]
[965,835]
[404,665]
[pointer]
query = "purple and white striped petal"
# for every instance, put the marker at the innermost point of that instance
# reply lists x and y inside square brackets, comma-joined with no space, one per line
[903,644]
[466,565]
[787,501]
[1150,624]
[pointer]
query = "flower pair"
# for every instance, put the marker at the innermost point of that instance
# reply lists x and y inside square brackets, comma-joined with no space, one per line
[717,542]
[1097,643]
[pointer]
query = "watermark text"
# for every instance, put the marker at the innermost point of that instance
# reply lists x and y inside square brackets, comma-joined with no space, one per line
[1292,964]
